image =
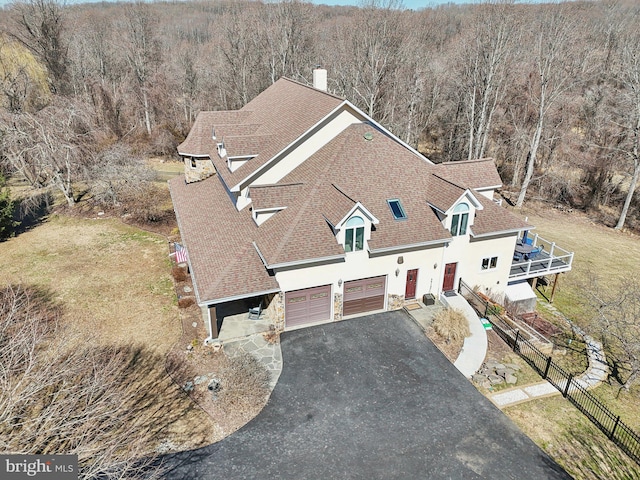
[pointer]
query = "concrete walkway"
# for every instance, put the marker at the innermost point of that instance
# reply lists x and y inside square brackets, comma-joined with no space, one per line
[474,349]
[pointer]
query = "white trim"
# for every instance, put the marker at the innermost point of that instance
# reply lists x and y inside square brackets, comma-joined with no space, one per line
[500,232]
[193,155]
[410,246]
[218,301]
[470,196]
[358,206]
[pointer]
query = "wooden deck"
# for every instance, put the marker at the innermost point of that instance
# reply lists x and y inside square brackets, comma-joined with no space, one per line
[544,264]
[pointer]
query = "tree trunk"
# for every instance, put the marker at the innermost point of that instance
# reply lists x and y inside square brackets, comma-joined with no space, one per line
[634,177]
[533,153]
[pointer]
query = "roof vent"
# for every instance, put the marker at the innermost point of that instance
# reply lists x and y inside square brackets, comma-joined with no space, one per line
[368,136]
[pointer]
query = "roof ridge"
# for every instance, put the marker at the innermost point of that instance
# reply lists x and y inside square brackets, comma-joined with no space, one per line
[475,160]
[312,88]
[272,185]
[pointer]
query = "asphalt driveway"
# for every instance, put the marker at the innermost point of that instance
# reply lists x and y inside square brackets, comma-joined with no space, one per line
[370,398]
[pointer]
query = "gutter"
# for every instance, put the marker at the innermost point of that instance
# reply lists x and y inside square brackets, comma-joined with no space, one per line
[413,245]
[295,262]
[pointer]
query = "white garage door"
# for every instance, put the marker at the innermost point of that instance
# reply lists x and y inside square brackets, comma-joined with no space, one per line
[307,306]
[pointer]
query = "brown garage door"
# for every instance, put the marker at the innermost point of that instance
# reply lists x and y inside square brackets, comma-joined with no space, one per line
[307,306]
[363,295]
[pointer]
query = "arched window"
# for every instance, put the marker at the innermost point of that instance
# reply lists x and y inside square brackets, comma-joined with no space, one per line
[460,219]
[354,235]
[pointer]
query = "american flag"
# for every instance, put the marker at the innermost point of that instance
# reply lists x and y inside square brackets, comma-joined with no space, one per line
[181,254]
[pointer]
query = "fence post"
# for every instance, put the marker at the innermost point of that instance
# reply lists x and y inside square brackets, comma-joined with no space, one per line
[566,388]
[515,341]
[613,430]
[546,369]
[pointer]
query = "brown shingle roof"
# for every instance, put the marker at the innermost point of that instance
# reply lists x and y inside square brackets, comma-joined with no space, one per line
[218,239]
[351,168]
[494,219]
[274,196]
[283,112]
[475,174]
[200,141]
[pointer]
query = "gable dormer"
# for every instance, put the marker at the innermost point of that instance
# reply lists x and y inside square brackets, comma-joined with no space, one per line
[353,231]
[459,218]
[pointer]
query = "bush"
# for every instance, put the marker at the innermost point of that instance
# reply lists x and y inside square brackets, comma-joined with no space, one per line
[148,205]
[186,302]
[179,274]
[245,383]
[451,324]
[7,210]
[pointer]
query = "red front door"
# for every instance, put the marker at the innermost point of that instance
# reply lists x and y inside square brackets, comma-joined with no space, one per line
[449,276]
[412,280]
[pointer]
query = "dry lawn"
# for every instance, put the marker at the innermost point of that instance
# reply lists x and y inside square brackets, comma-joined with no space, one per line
[553,423]
[114,284]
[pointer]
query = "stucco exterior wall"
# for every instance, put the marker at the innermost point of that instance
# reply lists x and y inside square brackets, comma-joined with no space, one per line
[469,254]
[359,265]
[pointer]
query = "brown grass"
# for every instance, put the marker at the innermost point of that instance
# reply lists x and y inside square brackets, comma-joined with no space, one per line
[113,283]
[553,423]
[452,325]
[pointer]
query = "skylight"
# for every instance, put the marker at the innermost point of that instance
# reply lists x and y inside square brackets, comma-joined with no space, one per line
[396,209]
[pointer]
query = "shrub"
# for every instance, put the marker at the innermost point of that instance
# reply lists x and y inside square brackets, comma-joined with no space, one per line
[7,208]
[179,274]
[186,302]
[451,324]
[245,383]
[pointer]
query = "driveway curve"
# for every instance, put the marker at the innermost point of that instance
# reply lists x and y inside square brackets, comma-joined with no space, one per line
[370,398]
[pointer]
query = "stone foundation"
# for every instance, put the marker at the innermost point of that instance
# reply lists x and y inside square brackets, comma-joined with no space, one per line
[275,310]
[337,307]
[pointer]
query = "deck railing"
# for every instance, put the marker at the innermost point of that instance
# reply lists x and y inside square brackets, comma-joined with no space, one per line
[552,259]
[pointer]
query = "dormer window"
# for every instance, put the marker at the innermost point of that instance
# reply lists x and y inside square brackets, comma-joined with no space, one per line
[460,219]
[193,162]
[354,235]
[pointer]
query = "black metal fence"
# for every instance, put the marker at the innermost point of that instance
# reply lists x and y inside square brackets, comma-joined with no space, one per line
[571,388]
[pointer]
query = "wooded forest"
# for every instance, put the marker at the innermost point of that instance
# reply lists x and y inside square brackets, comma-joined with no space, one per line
[551,91]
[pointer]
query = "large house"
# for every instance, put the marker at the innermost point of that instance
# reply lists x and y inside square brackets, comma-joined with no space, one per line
[302,203]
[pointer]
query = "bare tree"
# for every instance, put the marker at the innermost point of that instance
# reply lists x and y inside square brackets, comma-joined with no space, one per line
[118,175]
[485,62]
[616,318]
[41,28]
[629,123]
[49,147]
[142,51]
[558,64]
[288,33]
[60,395]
